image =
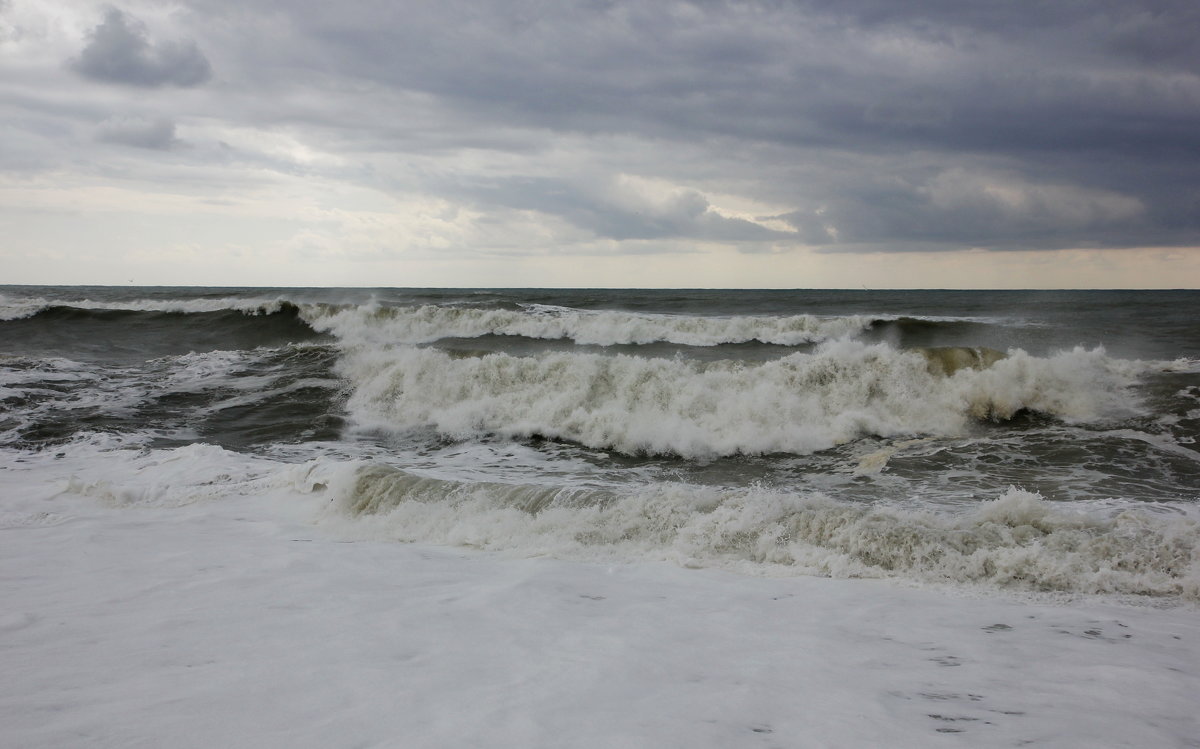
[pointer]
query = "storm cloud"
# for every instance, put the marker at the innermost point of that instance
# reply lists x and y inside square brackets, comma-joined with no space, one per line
[119,52]
[156,134]
[611,125]
[1062,126]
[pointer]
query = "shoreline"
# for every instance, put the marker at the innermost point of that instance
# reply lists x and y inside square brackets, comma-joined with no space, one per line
[236,622]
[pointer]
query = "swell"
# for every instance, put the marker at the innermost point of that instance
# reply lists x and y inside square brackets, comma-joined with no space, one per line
[128,333]
[241,400]
[799,404]
[920,332]
[425,323]
[1018,541]
[21,307]
[372,324]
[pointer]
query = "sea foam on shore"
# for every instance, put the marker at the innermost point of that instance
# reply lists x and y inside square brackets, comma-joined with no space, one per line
[219,618]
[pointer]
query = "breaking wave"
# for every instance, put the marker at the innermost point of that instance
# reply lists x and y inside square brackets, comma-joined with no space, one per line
[424,324]
[136,331]
[17,308]
[376,324]
[800,403]
[1018,541]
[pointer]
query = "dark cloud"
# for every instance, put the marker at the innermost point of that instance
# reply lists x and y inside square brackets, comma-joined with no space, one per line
[864,124]
[959,208]
[156,134]
[119,52]
[993,77]
[1055,125]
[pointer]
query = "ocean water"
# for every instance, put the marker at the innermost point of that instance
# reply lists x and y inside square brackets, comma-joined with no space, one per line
[1016,441]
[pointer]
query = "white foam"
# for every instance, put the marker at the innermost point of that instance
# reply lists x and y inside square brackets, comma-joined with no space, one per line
[199,371]
[372,324]
[797,404]
[18,308]
[171,478]
[161,614]
[53,385]
[33,371]
[1017,541]
[15,308]
[231,623]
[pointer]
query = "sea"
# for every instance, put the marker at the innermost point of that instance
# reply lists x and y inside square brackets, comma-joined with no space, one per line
[987,441]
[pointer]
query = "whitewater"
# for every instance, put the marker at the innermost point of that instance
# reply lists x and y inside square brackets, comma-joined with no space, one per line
[409,517]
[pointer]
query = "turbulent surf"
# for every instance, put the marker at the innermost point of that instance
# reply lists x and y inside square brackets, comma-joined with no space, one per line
[1041,441]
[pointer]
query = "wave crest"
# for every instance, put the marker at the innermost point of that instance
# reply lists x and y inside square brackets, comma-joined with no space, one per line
[1018,541]
[410,325]
[19,308]
[797,404]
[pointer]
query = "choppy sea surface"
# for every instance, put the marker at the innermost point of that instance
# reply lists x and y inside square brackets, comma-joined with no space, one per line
[1039,441]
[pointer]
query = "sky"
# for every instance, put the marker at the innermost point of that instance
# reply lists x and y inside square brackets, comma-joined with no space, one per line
[781,144]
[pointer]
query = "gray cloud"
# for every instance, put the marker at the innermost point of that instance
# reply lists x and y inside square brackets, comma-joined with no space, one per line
[155,134]
[862,124]
[958,208]
[1071,103]
[119,52]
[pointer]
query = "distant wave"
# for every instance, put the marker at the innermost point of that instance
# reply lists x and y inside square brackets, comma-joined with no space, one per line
[143,331]
[1018,541]
[424,324]
[909,331]
[377,324]
[797,404]
[17,308]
